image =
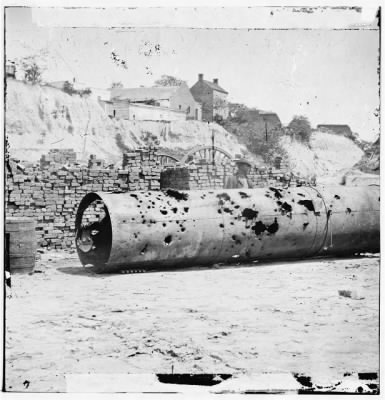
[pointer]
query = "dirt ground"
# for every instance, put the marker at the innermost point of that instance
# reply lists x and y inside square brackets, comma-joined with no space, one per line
[279,317]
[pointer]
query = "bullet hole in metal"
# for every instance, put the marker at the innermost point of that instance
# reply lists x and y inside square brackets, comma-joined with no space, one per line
[244,195]
[138,205]
[144,221]
[227,210]
[164,224]
[135,235]
[301,194]
[183,229]
[185,209]
[275,210]
[132,219]
[167,240]
[124,221]
[348,210]
[134,195]
[224,196]
[175,210]
[148,207]
[144,249]
[219,211]
[221,226]
[308,204]
[277,192]
[305,224]
[273,228]
[176,194]
[329,213]
[164,212]
[284,207]
[317,214]
[248,213]
[337,197]
[236,239]
[231,223]
[237,206]
[258,228]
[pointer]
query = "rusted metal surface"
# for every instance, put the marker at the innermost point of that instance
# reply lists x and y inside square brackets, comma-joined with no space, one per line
[180,228]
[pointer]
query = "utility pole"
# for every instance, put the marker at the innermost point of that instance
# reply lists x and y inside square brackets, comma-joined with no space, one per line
[212,146]
[266,130]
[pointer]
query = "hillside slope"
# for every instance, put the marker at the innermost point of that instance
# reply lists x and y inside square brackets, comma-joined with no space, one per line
[327,155]
[40,118]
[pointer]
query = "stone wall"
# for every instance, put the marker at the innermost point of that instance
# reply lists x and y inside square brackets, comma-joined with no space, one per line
[208,176]
[51,195]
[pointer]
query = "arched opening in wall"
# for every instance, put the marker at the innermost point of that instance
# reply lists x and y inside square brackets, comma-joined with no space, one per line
[114,113]
[93,231]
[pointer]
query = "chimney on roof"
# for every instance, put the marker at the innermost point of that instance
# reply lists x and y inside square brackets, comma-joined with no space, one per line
[215,80]
[200,77]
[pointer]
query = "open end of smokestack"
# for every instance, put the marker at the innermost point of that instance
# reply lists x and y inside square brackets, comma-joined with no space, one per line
[215,81]
[93,231]
[200,77]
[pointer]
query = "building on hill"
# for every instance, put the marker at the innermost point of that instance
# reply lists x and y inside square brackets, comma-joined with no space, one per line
[154,103]
[271,120]
[212,97]
[338,129]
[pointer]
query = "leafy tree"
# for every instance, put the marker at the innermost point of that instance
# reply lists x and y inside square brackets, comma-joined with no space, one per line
[116,85]
[32,71]
[168,80]
[300,128]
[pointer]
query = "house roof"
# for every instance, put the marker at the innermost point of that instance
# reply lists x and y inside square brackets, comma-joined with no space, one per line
[214,86]
[144,94]
[335,128]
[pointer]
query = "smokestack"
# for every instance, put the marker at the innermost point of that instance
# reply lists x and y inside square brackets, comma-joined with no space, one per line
[200,77]
[215,81]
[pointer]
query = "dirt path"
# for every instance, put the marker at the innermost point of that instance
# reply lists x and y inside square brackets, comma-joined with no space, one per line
[275,317]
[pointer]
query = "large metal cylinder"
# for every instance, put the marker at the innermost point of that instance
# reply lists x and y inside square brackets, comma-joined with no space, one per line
[156,229]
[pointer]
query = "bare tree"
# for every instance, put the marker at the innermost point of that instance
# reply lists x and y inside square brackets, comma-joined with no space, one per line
[168,80]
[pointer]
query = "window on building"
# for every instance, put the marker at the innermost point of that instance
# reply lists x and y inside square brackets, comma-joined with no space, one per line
[196,113]
[114,113]
[180,107]
[188,110]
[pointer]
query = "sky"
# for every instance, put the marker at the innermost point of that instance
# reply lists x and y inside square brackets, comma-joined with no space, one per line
[320,63]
